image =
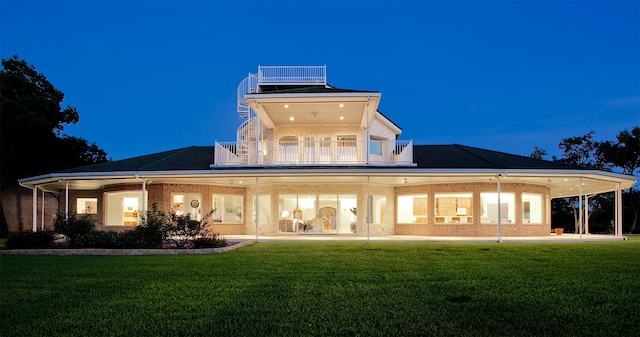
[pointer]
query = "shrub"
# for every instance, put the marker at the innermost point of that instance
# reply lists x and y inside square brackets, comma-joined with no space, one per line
[154,228]
[99,239]
[188,233]
[28,239]
[72,226]
[212,241]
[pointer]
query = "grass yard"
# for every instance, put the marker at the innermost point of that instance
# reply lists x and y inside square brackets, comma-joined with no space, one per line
[331,289]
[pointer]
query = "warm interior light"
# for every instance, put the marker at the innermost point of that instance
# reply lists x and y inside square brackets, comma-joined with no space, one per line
[341,117]
[341,105]
[291,118]
[286,106]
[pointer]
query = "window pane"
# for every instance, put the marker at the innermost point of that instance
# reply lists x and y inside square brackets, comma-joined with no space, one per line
[87,206]
[490,210]
[531,208]
[123,208]
[227,208]
[454,208]
[412,208]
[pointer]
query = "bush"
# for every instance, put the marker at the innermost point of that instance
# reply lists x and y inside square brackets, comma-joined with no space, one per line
[74,226]
[28,239]
[99,239]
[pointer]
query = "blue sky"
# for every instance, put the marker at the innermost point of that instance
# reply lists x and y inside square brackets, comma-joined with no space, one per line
[150,76]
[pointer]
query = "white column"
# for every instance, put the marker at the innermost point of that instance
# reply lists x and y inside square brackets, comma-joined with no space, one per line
[34,222]
[368,210]
[256,208]
[42,215]
[143,208]
[499,211]
[586,212]
[368,137]
[618,210]
[580,211]
[66,198]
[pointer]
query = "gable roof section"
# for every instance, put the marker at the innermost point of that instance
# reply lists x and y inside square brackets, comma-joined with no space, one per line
[185,159]
[457,156]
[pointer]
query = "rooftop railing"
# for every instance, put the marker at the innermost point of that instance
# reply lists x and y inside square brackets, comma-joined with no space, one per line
[316,152]
[291,75]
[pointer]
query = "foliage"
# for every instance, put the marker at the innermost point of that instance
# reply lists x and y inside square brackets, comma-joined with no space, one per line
[538,153]
[29,239]
[73,225]
[188,233]
[331,289]
[623,155]
[31,122]
[101,239]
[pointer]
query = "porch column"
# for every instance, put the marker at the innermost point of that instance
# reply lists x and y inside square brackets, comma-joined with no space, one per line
[580,211]
[34,199]
[499,211]
[143,208]
[256,208]
[618,216]
[586,212]
[66,199]
[368,140]
[368,210]
[42,215]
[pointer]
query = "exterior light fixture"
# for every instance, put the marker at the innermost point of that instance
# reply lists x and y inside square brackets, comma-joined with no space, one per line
[314,116]
[341,105]
[341,117]
[291,118]
[286,106]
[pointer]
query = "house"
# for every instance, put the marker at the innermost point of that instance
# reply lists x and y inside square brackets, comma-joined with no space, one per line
[312,159]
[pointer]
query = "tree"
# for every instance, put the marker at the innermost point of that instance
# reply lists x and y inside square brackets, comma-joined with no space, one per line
[580,151]
[32,122]
[538,153]
[624,155]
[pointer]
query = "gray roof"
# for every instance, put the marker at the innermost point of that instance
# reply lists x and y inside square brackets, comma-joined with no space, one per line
[453,156]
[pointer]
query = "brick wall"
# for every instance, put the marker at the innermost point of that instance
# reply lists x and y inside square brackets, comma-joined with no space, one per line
[476,228]
[17,204]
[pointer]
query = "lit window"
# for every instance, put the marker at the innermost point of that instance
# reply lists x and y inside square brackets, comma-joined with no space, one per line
[122,208]
[454,208]
[227,208]
[87,206]
[490,211]
[412,208]
[531,208]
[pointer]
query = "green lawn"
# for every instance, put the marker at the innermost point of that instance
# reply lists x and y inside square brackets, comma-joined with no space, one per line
[331,289]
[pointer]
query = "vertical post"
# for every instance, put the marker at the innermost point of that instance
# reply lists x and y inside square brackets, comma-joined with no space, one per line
[34,222]
[368,134]
[42,215]
[586,212]
[255,125]
[499,211]
[368,205]
[618,216]
[143,209]
[580,211]
[66,198]
[256,206]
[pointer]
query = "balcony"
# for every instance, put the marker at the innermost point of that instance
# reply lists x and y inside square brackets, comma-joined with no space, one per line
[314,153]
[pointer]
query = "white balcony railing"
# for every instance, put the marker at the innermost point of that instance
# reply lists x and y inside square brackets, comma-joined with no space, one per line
[314,152]
[269,75]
